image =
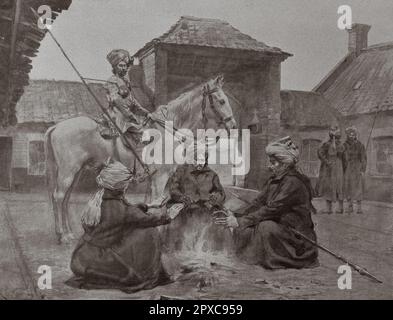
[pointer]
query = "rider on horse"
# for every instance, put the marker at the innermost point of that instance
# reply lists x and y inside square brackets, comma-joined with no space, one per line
[123,108]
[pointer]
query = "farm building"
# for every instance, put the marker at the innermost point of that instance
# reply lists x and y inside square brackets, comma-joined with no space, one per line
[196,49]
[360,87]
[193,51]
[20,39]
[44,103]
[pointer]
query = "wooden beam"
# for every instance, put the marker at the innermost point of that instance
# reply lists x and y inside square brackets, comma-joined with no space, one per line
[15,23]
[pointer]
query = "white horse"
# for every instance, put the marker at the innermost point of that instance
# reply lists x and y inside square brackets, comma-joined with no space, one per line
[76,144]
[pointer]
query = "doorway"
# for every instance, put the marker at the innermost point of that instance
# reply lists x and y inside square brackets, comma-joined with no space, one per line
[5,162]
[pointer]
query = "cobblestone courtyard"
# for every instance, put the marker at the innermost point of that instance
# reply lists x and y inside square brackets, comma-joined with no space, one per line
[364,239]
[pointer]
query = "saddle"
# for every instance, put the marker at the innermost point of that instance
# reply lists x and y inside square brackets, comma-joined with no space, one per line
[108,131]
[105,127]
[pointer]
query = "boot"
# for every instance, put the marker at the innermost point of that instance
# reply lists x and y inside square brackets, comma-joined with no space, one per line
[328,207]
[359,211]
[350,207]
[340,207]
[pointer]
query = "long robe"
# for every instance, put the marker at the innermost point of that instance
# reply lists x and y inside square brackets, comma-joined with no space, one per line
[331,174]
[264,236]
[125,110]
[355,160]
[123,251]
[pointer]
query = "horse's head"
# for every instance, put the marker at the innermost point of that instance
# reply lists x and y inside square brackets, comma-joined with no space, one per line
[217,106]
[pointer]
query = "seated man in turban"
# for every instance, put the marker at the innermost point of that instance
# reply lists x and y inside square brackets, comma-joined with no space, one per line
[120,247]
[123,106]
[198,189]
[263,230]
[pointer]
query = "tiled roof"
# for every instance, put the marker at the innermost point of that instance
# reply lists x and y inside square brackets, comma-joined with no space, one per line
[306,109]
[366,85]
[51,101]
[210,33]
[20,39]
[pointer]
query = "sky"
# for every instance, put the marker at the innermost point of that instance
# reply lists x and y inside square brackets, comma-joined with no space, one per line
[306,28]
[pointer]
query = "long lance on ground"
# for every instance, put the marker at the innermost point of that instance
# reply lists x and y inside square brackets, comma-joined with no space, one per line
[360,270]
[128,144]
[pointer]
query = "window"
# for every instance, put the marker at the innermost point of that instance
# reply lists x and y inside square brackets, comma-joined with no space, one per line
[309,162]
[384,155]
[36,164]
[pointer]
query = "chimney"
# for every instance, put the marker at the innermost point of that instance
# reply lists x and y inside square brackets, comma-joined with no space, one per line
[358,37]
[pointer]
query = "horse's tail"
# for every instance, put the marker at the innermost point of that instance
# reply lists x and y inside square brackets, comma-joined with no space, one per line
[51,165]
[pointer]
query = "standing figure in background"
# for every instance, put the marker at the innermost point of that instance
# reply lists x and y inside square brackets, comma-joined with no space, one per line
[355,167]
[331,174]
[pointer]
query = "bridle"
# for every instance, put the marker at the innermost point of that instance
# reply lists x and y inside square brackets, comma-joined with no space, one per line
[207,93]
[220,120]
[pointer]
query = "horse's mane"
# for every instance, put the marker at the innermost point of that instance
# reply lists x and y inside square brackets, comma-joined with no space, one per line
[179,109]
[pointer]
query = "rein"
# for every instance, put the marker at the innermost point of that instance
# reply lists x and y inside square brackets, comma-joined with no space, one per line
[207,93]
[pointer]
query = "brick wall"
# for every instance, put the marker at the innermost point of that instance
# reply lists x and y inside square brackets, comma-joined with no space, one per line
[148,65]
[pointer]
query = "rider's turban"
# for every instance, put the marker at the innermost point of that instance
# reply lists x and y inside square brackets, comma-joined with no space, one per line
[284,150]
[117,55]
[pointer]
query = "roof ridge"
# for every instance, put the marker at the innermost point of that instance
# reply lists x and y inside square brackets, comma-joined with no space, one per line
[60,81]
[190,30]
[381,45]
[202,19]
[302,91]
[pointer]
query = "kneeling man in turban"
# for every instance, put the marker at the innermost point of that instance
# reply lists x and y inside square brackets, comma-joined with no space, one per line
[120,248]
[262,231]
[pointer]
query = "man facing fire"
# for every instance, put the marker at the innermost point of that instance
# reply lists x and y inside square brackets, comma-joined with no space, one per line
[198,188]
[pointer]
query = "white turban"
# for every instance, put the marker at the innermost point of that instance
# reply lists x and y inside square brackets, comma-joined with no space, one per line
[114,176]
[284,150]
